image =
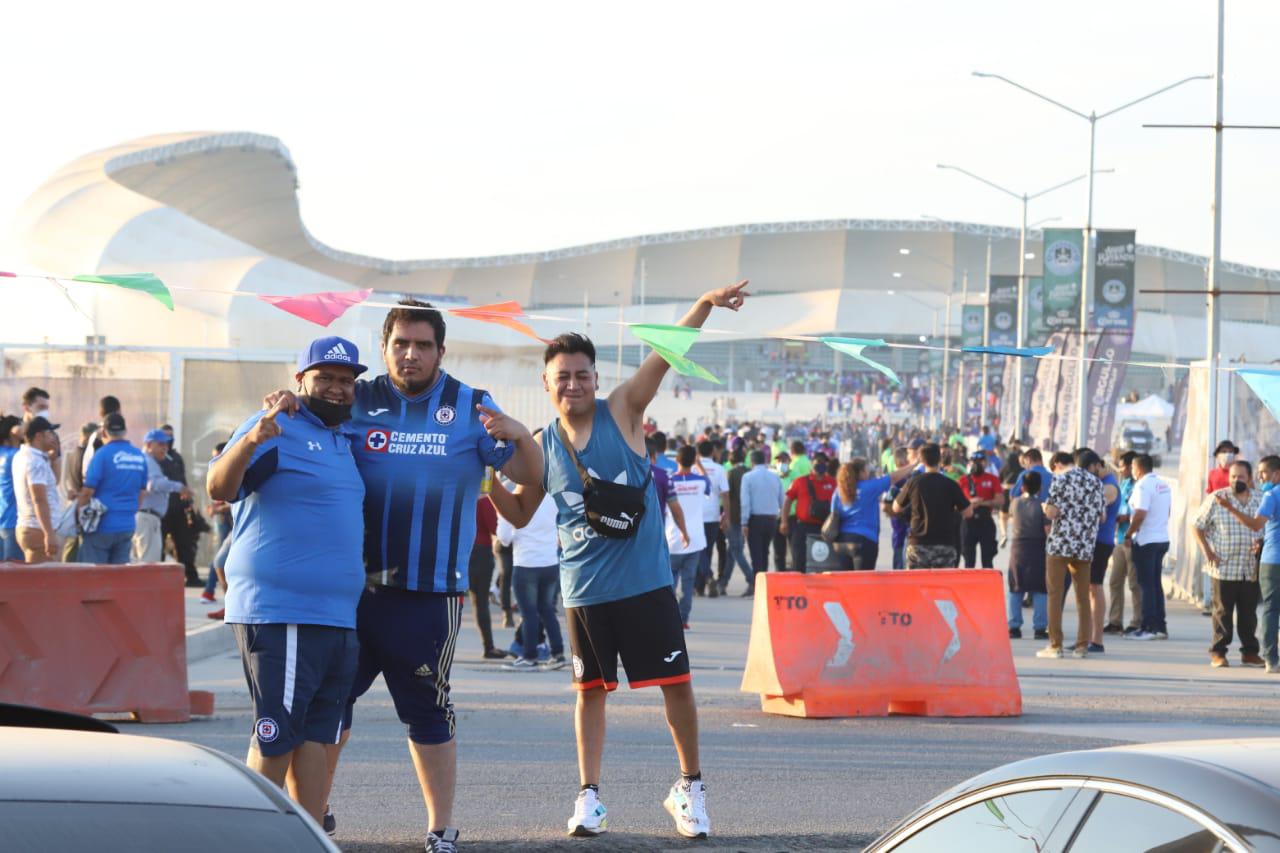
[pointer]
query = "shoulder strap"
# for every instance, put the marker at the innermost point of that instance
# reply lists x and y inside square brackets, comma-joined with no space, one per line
[573,454]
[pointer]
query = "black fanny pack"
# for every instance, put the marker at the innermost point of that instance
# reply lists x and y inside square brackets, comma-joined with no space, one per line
[611,509]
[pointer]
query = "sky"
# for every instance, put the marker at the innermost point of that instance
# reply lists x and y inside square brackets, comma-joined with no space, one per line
[464,129]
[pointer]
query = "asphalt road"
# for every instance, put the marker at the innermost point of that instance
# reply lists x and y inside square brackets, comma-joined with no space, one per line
[775,783]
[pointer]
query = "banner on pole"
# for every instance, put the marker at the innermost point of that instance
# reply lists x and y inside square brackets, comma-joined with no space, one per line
[971,320]
[1037,332]
[1105,378]
[1065,425]
[1113,280]
[1063,253]
[1044,396]
[1002,311]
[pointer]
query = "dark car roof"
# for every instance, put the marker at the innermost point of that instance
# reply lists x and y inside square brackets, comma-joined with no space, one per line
[1236,781]
[76,766]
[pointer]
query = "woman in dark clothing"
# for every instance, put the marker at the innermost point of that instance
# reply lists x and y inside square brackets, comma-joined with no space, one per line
[1027,531]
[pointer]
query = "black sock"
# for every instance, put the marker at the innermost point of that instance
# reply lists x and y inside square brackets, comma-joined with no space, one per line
[690,778]
[595,788]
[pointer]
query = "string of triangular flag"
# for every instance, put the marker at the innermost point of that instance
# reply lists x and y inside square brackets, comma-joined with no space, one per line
[671,343]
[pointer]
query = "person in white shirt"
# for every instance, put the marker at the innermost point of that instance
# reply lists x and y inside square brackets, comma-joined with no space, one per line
[535,580]
[691,489]
[35,489]
[1148,538]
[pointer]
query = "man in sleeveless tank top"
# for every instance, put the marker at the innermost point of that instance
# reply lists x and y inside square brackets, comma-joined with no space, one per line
[617,591]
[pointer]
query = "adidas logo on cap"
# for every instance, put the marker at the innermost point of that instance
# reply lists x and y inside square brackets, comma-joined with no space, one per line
[338,353]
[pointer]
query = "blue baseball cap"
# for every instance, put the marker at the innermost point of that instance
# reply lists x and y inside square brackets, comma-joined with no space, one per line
[331,350]
[157,435]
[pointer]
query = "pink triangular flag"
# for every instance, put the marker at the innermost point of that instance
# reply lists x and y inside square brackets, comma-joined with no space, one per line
[502,313]
[319,308]
[9,274]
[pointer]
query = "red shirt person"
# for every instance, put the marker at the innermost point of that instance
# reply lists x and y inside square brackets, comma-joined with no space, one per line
[811,495]
[986,494]
[1220,475]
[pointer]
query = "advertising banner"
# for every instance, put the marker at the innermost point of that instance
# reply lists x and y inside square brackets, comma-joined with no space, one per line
[971,322]
[1044,396]
[1063,265]
[1064,429]
[1037,331]
[1002,311]
[1104,387]
[1113,281]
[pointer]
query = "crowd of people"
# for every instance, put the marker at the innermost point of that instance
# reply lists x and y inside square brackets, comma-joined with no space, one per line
[104,500]
[354,516]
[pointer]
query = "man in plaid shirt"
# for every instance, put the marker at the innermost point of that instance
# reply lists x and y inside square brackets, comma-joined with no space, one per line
[1231,558]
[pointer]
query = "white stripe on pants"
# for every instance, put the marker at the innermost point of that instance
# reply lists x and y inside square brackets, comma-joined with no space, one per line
[290,665]
[148,540]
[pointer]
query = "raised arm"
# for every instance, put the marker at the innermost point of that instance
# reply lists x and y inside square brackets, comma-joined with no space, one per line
[226,473]
[519,506]
[628,401]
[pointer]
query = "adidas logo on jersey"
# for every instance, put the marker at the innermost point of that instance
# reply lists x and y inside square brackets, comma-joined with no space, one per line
[337,352]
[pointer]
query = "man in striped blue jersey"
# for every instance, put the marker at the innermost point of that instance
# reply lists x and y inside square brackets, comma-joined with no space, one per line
[422,440]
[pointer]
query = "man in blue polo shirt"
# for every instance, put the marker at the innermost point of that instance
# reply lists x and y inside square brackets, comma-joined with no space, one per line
[117,476]
[294,573]
[421,443]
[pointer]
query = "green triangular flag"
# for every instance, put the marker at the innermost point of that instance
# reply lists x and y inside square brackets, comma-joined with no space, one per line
[143,282]
[671,343]
[854,347]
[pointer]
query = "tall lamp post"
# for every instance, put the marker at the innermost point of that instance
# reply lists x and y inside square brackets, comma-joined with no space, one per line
[1093,117]
[1026,199]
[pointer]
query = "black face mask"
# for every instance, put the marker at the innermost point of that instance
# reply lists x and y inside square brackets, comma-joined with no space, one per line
[820,469]
[976,469]
[1240,486]
[330,414]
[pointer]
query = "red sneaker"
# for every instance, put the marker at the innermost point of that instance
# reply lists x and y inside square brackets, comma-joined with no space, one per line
[217,614]
[207,597]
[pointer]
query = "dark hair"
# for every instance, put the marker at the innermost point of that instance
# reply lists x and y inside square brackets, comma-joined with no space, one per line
[660,439]
[1086,458]
[108,405]
[1243,463]
[32,394]
[1062,457]
[415,311]
[219,447]
[1033,453]
[931,455]
[1031,483]
[757,457]
[797,447]
[1128,456]
[1272,462]
[1145,462]
[7,423]
[651,446]
[568,344]
[737,456]
[686,456]
[706,447]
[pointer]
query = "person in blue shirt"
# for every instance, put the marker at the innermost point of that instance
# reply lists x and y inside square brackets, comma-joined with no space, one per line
[617,584]
[1268,521]
[294,572]
[856,501]
[117,477]
[421,440]
[1105,545]
[10,441]
[1032,460]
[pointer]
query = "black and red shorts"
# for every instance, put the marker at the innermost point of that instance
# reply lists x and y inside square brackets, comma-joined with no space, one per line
[644,630]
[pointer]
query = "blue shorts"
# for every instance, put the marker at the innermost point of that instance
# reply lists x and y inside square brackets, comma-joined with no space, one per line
[409,637]
[299,678]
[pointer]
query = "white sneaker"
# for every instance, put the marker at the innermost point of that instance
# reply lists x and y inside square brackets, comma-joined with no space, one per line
[1050,652]
[445,842]
[1142,635]
[522,665]
[1078,652]
[687,805]
[589,815]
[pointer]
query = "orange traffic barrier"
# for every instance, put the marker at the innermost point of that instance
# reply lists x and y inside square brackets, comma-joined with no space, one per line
[96,639]
[868,644]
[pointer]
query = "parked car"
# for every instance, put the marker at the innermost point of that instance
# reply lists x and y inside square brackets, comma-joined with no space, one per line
[73,783]
[1186,797]
[1136,435]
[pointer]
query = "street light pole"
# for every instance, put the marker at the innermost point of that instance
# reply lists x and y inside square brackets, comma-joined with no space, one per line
[946,357]
[1082,379]
[962,383]
[1212,356]
[1025,199]
[986,340]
